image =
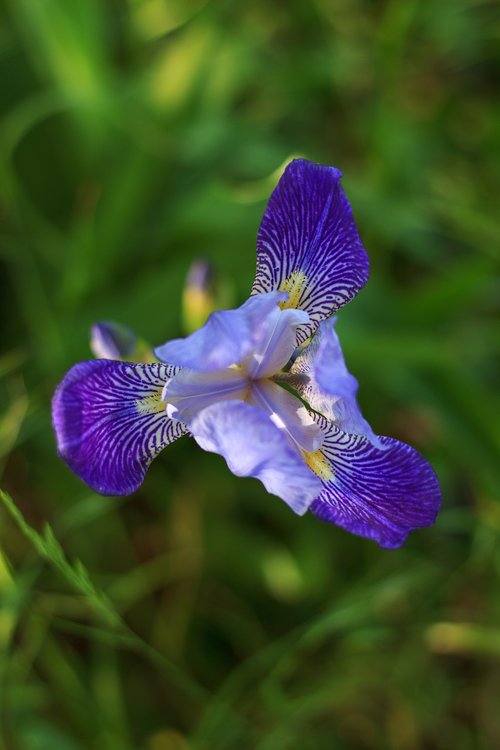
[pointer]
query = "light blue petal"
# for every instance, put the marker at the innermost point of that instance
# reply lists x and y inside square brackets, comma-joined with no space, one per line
[226,338]
[326,384]
[259,335]
[254,447]
[275,340]
[189,391]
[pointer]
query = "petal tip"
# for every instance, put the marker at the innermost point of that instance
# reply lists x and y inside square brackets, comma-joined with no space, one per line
[382,495]
[306,166]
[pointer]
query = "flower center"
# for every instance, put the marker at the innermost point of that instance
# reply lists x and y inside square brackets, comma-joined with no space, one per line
[188,392]
[274,341]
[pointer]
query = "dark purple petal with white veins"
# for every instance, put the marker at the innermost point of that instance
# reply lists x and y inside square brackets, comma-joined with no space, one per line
[110,422]
[378,494]
[308,244]
[323,380]
[254,447]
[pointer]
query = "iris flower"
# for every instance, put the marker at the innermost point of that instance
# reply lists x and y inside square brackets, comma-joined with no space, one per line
[264,385]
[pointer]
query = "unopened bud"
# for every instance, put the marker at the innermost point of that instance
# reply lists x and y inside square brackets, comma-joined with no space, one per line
[199,297]
[109,340]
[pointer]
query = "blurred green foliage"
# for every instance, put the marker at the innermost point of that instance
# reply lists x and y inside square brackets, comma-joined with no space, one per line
[201,613]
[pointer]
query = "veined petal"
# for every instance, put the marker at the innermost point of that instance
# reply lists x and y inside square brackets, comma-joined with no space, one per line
[110,422]
[226,338]
[321,377]
[254,447]
[287,413]
[189,391]
[378,494]
[308,244]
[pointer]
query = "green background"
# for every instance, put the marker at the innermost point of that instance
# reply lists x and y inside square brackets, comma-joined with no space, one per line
[135,137]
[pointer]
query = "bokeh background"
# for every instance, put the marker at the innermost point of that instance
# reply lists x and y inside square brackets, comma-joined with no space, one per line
[201,613]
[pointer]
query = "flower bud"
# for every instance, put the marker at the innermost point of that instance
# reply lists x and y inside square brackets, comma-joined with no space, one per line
[109,340]
[199,297]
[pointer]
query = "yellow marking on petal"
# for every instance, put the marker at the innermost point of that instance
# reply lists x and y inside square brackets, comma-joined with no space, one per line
[319,464]
[151,404]
[294,285]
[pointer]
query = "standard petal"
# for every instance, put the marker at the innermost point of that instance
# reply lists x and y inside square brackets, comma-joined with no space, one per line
[321,377]
[254,447]
[308,244]
[110,422]
[275,340]
[378,494]
[225,339]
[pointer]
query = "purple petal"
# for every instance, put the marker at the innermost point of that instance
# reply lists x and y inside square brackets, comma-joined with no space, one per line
[308,244]
[258,334]
[110,422]
[328,387]
[378,494]
[254,447]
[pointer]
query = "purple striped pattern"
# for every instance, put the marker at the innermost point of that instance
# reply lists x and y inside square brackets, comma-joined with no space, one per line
[378,494]
[110,422]
[321,377]
[308,228]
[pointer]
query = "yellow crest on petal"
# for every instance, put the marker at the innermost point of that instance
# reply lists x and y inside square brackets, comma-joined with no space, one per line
[319,464]
[152,404]
[294,286]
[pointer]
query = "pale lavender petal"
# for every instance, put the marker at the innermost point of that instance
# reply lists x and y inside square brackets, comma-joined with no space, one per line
[226,338]
[275,340]
[321,377]
[189,391]
[378,494]
[287,413]
[308,244]
[110,422]
[254,447]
